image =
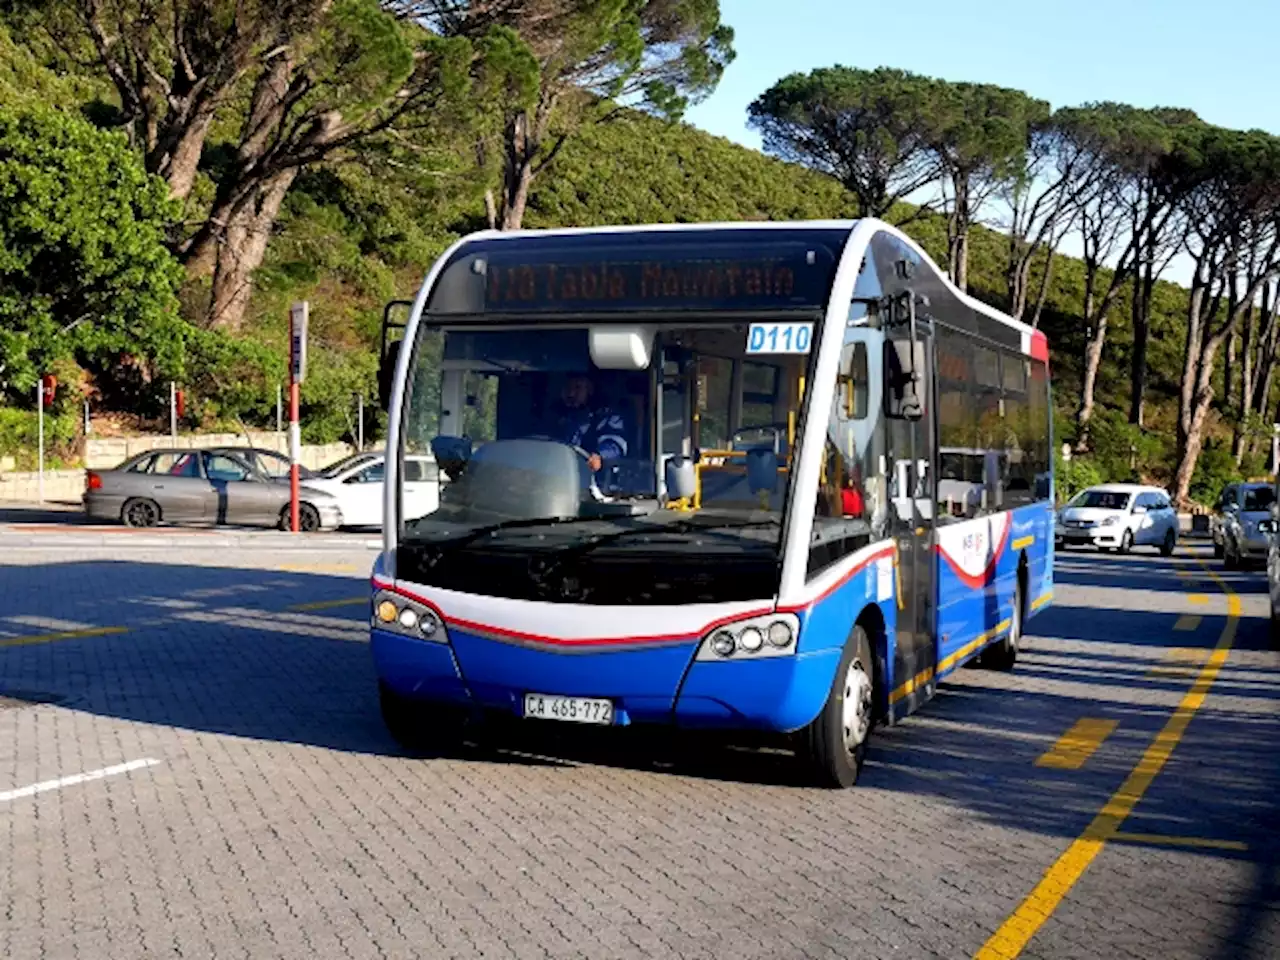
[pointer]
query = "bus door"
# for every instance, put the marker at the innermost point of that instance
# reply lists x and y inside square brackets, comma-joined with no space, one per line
[910,456]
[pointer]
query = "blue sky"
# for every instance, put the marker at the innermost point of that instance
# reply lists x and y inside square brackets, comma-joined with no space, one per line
[1210,57]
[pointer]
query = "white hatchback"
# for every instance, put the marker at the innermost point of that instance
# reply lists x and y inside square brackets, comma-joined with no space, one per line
[357,484]
[1118,516]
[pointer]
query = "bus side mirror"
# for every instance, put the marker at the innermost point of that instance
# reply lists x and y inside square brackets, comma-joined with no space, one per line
[904,373]
[387,374]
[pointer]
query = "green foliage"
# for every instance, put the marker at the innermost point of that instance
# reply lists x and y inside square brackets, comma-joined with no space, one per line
[83,267]
[636,170]
[1072,476]
[1214,470]
[19,435]
[1121,449]
[869,129]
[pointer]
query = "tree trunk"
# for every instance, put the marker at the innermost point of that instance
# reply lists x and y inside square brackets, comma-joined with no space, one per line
[516,195]
[1092,361]
[178,163]
[958,233]
[243,246]
[1042,295]
[525,135]
[490,210]
[1229,370]
[1143,286]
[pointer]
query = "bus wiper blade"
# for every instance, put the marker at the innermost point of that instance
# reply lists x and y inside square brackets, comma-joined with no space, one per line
[680,526]
[473,535]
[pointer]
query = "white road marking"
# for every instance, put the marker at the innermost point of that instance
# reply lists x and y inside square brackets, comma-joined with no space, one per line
[72,780]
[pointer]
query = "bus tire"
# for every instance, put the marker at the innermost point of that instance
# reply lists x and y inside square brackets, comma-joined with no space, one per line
[834,745]
[421,727]
[1003,654]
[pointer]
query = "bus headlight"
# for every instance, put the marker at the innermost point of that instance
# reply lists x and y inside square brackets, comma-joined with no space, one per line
[408,618]
[724,643]
[780,634]
[770,635]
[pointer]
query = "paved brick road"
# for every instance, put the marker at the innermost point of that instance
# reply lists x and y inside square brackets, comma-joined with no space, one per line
[281,821]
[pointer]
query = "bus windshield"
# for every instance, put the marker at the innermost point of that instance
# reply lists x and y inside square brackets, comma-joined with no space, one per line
[672,478]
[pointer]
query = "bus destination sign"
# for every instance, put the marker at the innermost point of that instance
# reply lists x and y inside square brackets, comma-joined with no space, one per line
[572,285]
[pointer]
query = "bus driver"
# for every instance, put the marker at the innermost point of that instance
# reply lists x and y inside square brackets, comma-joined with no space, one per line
[600,431]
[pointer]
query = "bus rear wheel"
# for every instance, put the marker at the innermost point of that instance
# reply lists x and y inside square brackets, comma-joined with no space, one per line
[834,745]
[1004,653]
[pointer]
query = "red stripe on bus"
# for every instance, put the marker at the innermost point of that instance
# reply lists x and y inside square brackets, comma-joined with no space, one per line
[987,575]
[505,633]
[1039,346]
[853,571]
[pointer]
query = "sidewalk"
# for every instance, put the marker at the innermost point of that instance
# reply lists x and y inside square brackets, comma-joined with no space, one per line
[65,525]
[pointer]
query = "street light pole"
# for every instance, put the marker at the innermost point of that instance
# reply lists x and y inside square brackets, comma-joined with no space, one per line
[298,314]
[40,440]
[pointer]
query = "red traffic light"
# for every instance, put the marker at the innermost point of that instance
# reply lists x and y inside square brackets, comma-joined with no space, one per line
[49,386]
[179,402]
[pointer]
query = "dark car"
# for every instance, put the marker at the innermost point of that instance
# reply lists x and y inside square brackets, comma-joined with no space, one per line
[200,486]
[1236,523]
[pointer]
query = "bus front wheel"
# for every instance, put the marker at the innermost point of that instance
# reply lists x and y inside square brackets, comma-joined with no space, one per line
[420,727]
[834,746]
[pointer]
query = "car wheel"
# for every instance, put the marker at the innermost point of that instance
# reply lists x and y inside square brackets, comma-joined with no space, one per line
[1170,541]
[140,513]
[1003,655]
[1126,541]
[308,518]
[834,745]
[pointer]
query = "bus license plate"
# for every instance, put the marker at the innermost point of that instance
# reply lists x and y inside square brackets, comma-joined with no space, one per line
[538,706]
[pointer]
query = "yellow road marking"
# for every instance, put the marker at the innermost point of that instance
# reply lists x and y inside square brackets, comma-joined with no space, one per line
[1041,600]
[1197,598]
[1077,745]
[1188,621]
[60,635]
[1023,542]
[1161,840]
[1016,932]
[1186,661]
[329,604]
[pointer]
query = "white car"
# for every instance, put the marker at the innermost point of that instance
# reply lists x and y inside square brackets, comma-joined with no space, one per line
[357,484]
[1118,516]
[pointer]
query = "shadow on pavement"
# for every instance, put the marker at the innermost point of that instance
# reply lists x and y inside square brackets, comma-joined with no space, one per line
[1144,571]
[218,650]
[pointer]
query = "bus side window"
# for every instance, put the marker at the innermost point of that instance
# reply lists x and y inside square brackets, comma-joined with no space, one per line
[853,380]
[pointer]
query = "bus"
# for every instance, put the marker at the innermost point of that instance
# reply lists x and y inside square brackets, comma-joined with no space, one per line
[689,477]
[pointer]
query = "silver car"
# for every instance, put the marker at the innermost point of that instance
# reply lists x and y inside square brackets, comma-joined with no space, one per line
[1241,536]
[200,486]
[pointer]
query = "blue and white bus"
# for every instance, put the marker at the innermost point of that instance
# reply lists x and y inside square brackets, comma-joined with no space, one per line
[690,477]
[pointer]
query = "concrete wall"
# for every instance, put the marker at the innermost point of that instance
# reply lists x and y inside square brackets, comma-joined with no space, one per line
[63,485]
[106,452]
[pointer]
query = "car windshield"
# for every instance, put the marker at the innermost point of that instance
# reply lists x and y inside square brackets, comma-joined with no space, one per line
[1102,500]
[343,465]
[543,452]
[1259,498]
